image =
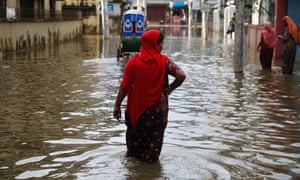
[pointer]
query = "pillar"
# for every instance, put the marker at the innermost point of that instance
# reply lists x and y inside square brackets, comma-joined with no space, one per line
[47,5]
[280,12]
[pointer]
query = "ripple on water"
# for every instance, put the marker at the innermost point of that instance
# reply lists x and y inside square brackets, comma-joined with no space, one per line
[57,111]
[73,141]
[30,160]
[35,174]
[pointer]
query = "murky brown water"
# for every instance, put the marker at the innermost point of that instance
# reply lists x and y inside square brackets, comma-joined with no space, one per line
[56,115]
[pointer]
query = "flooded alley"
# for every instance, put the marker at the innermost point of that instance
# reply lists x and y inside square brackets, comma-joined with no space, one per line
[56,115]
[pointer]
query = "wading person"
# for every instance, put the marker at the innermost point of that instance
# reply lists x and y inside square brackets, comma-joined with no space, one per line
[290,38]
[231,26]
[145,83]
[266,46]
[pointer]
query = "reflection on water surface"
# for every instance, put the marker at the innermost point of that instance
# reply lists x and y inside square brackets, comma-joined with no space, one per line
[56,115]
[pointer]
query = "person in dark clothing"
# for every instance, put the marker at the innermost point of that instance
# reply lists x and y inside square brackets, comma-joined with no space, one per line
[231,26]
[290,38]
[266,46]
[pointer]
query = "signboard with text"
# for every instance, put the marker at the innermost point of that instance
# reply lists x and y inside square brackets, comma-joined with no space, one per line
[112,8]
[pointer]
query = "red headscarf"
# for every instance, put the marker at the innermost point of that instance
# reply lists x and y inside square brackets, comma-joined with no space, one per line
[144,76]
[293,28]
[269,34]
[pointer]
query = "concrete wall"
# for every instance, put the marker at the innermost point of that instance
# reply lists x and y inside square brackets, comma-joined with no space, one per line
[254,35]
[16,36]
[217,21]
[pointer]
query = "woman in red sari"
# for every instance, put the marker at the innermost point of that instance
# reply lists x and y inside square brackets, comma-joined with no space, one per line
[145,82]
[266,46]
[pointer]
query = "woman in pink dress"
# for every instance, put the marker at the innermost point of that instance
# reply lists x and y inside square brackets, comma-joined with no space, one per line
[266,46]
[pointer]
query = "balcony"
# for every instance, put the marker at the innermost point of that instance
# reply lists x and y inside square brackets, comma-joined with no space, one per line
[29,14]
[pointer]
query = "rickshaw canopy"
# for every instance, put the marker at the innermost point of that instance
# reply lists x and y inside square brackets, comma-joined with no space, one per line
[133,23]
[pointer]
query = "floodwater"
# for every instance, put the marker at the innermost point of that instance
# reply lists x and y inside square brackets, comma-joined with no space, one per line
[56,115]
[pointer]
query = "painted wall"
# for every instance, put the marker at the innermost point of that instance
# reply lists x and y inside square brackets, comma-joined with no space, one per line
[254,35]
[25,35]
[217,26]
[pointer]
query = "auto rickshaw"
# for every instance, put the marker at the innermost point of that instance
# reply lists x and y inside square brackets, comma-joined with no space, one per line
[132,27]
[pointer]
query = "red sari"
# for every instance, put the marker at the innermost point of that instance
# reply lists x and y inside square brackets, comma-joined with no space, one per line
[145,76]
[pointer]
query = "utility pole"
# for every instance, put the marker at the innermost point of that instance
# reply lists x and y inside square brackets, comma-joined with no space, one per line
[105,24]
[238,41]
[205,10]
[145,8]
[138,5]
[190,18]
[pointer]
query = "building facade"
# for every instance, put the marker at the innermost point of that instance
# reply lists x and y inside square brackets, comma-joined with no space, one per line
[27,24]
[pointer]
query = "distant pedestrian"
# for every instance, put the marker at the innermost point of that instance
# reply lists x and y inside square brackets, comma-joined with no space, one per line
[231,26]
[145,83]
[266,46]
[290,38]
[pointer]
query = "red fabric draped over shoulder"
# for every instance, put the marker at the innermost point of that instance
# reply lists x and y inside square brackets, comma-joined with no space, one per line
[144,76]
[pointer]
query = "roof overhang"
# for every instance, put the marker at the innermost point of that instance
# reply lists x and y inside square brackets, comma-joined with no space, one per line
[178,4]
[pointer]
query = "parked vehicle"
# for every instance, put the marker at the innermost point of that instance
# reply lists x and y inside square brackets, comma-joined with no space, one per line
[133,26]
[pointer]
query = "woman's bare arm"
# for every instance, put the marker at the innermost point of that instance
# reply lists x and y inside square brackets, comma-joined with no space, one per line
[179,78]
[117,108]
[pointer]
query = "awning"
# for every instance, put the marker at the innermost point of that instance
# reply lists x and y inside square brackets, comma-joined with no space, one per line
[178,4]
[212,2]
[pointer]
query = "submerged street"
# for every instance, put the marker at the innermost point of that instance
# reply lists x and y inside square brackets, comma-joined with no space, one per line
[56,114]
